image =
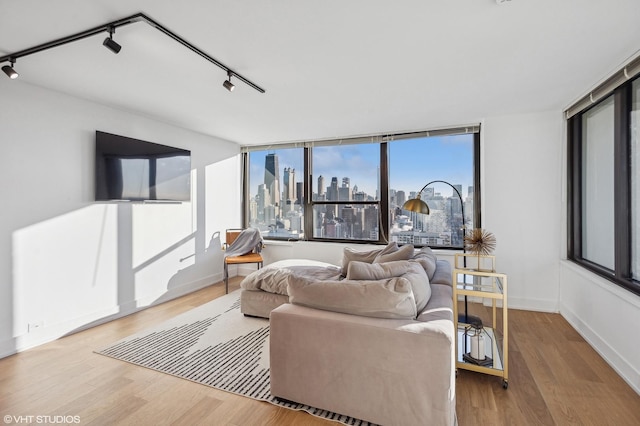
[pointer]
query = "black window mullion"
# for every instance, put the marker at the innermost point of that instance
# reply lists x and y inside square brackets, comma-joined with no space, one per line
[308,187]
[574,190]
[622,183]
[383,209]
[477,217]
[245,189]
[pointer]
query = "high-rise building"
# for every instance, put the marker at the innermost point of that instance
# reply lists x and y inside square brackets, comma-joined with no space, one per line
[299,192]
[321,187]
[272,177]
[344,192]
[400,198]
[289,189]
[429,193]
[332,190]
[459,188]
[263,199]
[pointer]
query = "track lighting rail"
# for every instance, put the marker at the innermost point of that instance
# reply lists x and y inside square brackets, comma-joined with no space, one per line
[109,27]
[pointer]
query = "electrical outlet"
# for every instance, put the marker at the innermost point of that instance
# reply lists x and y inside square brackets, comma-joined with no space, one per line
[34,326]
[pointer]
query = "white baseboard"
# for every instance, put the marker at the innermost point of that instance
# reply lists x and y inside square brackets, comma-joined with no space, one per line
[51,332]
[628,373]
[538,305]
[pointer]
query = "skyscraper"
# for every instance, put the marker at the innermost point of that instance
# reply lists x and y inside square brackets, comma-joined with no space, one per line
[344,192]
[321,187]
[289,192]
[272,177]
[459,188]
[332,191]
[400,198]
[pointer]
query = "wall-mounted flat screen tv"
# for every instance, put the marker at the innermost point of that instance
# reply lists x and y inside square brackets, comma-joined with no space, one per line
[129,169]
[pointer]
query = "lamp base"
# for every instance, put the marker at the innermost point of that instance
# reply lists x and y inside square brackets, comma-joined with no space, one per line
[486,362]
[469,319]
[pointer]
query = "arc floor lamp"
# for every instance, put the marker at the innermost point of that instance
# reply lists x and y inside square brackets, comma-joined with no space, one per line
[418,206]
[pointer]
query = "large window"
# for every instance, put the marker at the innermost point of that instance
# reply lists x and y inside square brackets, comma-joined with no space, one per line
[346,193]
[276,196]
[597,178]
[603,178]
[445,164]
[354,189]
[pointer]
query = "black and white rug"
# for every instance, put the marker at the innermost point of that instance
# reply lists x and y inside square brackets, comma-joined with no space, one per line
[215,345]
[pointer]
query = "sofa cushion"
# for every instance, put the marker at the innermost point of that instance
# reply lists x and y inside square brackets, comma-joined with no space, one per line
[388,298]
[427,259]
[376,271]
[349,255]
[408,269]
[419,284]
[403,253]
[274,277]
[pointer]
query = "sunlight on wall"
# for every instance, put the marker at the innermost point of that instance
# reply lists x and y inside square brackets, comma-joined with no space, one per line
[106,259]
[67,260]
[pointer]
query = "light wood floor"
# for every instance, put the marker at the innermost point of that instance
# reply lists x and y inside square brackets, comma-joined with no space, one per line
[556,378]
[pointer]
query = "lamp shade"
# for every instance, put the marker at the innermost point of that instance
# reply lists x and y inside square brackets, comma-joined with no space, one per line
[416,205]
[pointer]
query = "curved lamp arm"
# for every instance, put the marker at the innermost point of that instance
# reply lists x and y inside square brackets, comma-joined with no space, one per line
[416,204]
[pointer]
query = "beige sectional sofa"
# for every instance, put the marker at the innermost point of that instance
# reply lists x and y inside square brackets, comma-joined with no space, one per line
[389,364]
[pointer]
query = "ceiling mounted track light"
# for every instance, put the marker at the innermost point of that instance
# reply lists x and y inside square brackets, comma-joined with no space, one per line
[9,71]
[115,47]
[227,83]
[110,44]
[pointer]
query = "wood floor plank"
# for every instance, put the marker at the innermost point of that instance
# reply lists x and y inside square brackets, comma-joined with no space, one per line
[556,378]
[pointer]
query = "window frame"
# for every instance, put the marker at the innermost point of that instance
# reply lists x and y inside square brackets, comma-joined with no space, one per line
[382,204]
[621,274]
[383,201]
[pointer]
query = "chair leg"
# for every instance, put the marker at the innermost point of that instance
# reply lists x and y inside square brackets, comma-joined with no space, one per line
[226,278]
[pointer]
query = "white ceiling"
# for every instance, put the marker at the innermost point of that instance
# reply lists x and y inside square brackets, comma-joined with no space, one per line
[332,68]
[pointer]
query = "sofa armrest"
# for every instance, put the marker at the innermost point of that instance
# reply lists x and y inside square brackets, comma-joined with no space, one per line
[385,371]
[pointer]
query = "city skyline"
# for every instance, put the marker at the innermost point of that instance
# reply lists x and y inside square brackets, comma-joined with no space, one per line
[412,164]
[277,205]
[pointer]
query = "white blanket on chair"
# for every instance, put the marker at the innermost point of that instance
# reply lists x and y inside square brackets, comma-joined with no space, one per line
[249,240]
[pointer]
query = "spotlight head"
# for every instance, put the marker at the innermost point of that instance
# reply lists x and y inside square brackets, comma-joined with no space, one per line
[10,72]
[111,45]
[228,85]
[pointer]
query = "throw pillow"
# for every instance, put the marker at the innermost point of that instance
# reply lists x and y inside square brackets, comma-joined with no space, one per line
[390,298]
[427,259]
[403,253]
[376,271]
[349,255]
[409,269]
[419,284]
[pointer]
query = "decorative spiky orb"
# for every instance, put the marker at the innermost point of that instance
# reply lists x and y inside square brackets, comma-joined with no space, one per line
[480,242]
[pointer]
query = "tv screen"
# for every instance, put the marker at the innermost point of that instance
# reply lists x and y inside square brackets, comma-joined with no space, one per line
[133,170]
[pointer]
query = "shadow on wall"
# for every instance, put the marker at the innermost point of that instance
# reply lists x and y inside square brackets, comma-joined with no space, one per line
[101,262]
[76,263]
[207,265]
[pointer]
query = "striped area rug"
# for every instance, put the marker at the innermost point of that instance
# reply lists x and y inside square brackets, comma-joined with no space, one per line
[215,345]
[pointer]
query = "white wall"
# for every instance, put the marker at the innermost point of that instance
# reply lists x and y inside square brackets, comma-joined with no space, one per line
[605,315]
[67,262]
[522,163]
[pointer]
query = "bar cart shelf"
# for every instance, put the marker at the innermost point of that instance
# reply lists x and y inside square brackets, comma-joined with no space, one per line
[475,277]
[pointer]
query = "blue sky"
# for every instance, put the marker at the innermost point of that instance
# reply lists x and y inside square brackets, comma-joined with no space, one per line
[412,163]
